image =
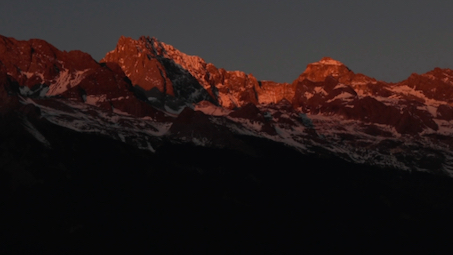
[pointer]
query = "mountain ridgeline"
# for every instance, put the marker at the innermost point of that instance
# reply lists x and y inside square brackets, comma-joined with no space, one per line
[153,150]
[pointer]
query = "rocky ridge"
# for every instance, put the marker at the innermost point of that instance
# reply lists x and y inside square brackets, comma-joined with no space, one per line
[155,151]
[145,91]
[141,59]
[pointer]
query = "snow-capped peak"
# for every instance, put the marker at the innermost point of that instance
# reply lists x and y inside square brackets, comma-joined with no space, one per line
[328,61]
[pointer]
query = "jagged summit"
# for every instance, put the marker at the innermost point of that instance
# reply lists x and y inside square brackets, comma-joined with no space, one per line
[319,71]
[154,144]
[150,64]
[328,61]
[327,108]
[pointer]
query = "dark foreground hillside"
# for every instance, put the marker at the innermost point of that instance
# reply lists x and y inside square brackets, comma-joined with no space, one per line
[87,194]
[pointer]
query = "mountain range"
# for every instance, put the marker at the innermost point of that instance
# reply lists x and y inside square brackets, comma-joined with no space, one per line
[159,144]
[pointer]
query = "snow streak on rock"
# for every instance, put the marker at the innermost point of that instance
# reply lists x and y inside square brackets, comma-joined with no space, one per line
[146,91]
[66,80]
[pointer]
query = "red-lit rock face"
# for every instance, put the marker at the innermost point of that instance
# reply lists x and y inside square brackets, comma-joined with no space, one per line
[39,68]
[326,87]
[142,60]
[328,109]
[138,61]
[273,92]
[319,71]
[436,84]
[36,61]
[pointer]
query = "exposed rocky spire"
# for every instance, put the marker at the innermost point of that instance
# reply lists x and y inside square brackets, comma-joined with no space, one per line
[144,61]
[329,110]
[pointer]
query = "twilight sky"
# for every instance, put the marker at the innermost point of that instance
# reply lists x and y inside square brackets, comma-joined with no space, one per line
[273,40]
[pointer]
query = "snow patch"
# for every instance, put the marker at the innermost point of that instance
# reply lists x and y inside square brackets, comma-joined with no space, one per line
[203,141]
[30,74]
[94,99]
[328,61]
[210,109]
[306,121]
[340,86]
[345,96]
[65,81]
[43,91]
[320,90]
[25,91]
[32,130]
[308,95]
[174,111]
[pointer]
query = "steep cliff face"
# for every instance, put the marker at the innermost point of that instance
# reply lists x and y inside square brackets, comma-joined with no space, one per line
[153,146]
[38,69]
[328,87]
[272,92]
[145,92]
[436,84]
[318,71]
[146,62]
[138,61]
[152,65]
[171,80]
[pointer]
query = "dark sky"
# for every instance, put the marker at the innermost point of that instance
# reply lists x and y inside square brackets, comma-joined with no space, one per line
[274,40]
